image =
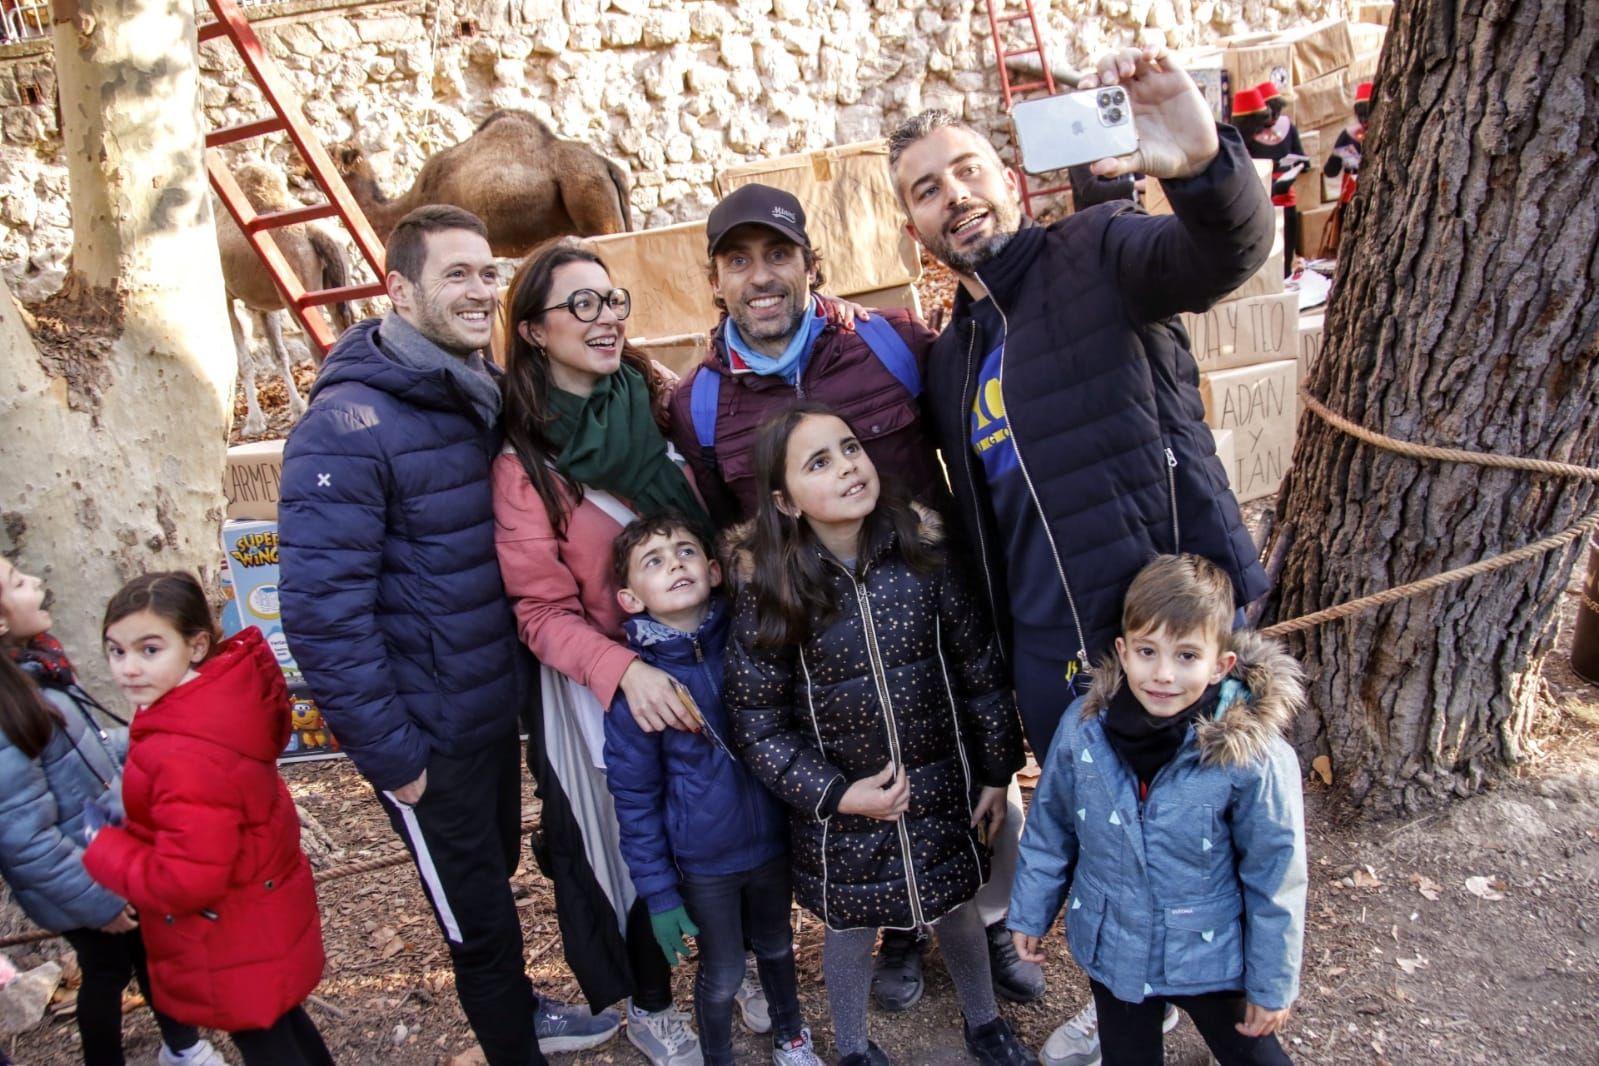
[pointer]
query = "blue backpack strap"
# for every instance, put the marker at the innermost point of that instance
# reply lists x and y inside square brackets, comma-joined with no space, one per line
[706,390]
[892,351]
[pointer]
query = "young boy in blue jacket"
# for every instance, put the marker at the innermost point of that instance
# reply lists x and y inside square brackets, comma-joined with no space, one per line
[1169,813]
[705,843]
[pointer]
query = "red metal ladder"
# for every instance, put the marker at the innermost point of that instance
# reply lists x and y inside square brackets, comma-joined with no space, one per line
[1001,17]
[286,117]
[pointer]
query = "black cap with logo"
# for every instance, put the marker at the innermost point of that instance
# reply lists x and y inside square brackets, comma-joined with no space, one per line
[757,205]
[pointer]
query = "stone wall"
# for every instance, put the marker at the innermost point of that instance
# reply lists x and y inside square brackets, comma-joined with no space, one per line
[672,89]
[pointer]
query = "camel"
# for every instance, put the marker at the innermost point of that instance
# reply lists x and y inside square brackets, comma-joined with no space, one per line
[525,183]
[313,254]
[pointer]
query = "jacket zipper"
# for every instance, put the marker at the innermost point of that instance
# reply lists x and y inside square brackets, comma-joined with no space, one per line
[1171,486]
[967,398]
[880,681]
[1016,445]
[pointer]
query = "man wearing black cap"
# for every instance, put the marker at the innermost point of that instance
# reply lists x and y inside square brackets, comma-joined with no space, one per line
[779,341]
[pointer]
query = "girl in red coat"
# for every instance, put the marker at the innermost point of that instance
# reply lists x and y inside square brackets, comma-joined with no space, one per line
[210,851]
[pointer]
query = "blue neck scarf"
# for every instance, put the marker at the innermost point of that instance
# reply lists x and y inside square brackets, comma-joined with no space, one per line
[791,364]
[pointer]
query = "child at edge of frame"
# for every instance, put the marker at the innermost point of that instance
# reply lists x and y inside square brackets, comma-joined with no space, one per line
[1176,755]
[705,844]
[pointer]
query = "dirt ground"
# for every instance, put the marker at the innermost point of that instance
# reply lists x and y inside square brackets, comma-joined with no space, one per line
[1409,959]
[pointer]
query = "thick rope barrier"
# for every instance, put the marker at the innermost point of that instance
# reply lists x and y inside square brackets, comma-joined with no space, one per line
[1550,543]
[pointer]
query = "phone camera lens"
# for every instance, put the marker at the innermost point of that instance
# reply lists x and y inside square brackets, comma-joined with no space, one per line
[1104,99]
[1115,114]
[1118,97]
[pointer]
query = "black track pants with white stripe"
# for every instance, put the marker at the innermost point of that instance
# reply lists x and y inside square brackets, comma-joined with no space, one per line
[465,835]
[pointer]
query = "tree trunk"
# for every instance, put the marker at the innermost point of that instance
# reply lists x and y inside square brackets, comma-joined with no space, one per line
[116,417]
[1465,315]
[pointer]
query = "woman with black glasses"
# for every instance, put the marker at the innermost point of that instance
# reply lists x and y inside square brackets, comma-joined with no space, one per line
[584,456]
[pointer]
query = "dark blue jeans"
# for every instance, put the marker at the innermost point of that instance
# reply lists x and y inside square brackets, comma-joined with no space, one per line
[731,909]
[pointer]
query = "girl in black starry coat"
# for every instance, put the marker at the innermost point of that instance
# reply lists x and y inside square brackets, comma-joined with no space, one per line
[868,694]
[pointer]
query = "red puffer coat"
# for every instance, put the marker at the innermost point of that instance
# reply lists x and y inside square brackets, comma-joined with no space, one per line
[210,852]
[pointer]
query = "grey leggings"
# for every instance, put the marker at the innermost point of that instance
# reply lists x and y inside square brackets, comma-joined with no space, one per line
[847,969]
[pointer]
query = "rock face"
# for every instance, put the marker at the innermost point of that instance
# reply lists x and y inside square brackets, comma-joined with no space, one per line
[671,89]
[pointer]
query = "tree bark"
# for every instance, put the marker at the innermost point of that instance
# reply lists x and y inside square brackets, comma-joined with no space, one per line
[1465,314]
[116,417]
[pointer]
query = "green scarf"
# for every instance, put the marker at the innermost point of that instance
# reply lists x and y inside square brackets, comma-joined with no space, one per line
[609,440]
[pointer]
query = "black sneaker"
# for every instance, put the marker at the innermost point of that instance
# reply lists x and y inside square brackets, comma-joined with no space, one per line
[872,1056]
[995,1044]
[1015,980]
[897,972]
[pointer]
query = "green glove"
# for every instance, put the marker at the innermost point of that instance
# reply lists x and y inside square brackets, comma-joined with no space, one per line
[670,927]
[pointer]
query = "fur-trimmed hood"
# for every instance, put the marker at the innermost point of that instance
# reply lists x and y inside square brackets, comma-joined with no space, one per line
[737,550]
[1260,696]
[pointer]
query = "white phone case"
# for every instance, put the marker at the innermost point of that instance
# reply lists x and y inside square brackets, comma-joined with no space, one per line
[1071,128]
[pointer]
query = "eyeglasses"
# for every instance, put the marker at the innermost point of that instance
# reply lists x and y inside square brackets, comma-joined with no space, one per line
[585,304]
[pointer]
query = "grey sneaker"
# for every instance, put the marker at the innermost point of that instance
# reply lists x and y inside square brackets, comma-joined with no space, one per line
[664,1037]
[751,999]
[1170,1020]
[797,1052]
[201,1054]
[562,1027]
[1076,1043]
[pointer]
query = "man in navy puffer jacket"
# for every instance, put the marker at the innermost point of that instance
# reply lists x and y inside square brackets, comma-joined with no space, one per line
[394,609]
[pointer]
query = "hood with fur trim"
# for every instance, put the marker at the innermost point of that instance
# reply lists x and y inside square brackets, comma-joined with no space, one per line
[1274,691]
[737,549]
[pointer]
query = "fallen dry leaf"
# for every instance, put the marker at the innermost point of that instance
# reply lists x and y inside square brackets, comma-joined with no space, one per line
[1410,966]
[1428,888]
[1323,767]
[1366,877]
[1483,888]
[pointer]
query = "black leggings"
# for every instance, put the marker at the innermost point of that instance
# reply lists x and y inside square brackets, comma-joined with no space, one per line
[292,1040]
[108,961]
[1130,1033]
[652,974]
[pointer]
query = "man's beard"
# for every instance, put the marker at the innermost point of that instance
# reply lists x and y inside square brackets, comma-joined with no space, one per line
[1007,219]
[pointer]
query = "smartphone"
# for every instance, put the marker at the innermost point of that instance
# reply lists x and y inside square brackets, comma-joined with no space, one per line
[1072,128]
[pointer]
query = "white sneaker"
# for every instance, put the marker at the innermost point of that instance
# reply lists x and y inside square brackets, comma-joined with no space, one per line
[797,1052]
[201,1054]
[751,999]
[664,1037]
[1076,1043]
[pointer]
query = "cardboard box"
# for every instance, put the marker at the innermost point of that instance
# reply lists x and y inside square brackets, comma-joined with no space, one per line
[1208,68]
[897,296]
[1268,280]
[1331,188]
[1249,65]
[1312,227]
[664,269]
[1364,68]
[1310,141]
[1320,49]
[1367,37]
[678,354]
[251,549]
[250,481]
[1375,12]
[1225,450]
[1310,338]
[1327,100]
[1260,404]
[1308,188]
[1261,329]
[852,213]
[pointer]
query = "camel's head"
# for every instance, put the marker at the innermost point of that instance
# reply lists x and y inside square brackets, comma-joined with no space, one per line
[351,161]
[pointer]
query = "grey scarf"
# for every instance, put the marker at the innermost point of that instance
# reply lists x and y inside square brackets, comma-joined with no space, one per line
[401,342]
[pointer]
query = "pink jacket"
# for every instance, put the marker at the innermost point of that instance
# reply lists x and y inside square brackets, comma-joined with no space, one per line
[561,588]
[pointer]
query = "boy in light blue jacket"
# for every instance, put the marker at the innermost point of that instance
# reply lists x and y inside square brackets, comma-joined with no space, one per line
[1169,822]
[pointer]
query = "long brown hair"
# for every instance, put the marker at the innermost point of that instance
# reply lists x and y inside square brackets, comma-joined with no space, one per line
[175,597]
[26,718]
[793,596]
[527,372]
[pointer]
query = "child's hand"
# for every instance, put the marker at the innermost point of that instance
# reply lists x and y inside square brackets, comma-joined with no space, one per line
[1258,1021]
[884,796]
[990,813]
[96,816]
[125,922]
[1029,948]
[670,927]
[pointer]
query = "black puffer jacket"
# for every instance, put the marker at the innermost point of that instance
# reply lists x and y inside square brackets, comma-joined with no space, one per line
[1101,392]
[907,671]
